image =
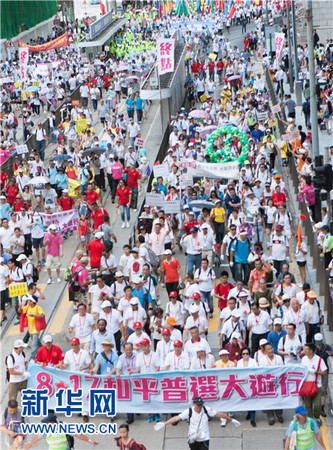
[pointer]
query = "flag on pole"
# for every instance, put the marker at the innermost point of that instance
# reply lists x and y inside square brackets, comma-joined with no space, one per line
[209,10]
[225,7]
[102,6]
[232,9]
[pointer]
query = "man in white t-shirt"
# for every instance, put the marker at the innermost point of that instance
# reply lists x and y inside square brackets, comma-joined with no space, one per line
[205,277]
[197,416]
[191,345]
[195,320]
[83,325]
[114,322]
[178,359]
[290,346]
[17,367]
[97,293]
[134,314]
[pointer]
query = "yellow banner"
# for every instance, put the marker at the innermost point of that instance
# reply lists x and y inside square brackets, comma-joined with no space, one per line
[17,289]
[212,56]
[81,125]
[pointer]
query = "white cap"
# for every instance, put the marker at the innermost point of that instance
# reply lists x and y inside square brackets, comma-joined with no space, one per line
[134,301]
[19,343]
[99,235]
[236,313]
[143,159]
[263,342]
[65,191]
[194,309]
[47,338]
[243,233]
[205,226]
[106,304]
[278,321]
[52,227]
[20,170]
[21,257]
[242,294]
[235,335]
[1,260]
[223,352]
[168,252]
[186,207]
[137,280]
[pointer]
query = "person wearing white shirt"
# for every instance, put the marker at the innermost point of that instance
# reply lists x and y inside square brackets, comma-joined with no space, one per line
[178,359]
[147,361]
[238,290]
[136,337]
[317,368]
[83,325]
[164,346]
[190,288]
[259,323]
[205,277]
[268,360]
[191,344]
[231,325]
[227,312]
[17,365]
[315,315]
[202,360]
[208,243]
[193,246]
[114,322]
[195,320]
[297,316]
[290,346]
[96,294]
[134,314]
[203,307]
[175,309]
[118,287]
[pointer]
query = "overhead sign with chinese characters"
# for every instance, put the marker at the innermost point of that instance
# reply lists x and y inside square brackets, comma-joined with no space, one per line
[165,56]
[24,58]
[258,388]
[279,40]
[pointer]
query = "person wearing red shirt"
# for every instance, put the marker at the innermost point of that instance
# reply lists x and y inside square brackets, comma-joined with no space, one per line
[211,69]
[92,195]
[106,80]
[191,223]
[71,171]
[278,197]
[134,183]
[124,196]
[173,272]
[65,202]
[222,290]
[3,179]
[219,69]
[20,204]
[49,354]
[95,248]
[97,215]
[11,192]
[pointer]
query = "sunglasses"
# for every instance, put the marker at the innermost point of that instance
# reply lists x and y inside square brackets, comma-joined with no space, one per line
[245,353]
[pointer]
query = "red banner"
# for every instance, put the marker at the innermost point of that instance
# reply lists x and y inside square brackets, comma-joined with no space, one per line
[61,41]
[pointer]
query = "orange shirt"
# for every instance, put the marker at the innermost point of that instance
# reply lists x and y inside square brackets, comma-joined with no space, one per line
[255,277]
[171,272]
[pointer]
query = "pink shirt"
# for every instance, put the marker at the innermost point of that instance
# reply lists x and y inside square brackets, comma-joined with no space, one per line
[83,275]
[116,169]
[53,246]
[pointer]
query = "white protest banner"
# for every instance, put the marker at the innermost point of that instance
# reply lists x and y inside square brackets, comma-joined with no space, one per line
[276,109]
[139,142]
[279,40]
[294,134]
[23,58]
[218,170]
[42,69]
[162,170]
[186,179]
[172,207]
[165,56]
[65,220]
[287,137]
[262,116]
[153,199]
[20,149]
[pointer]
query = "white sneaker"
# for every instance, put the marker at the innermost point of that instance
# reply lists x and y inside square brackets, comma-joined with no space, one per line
[123,225]
[58,280]
[223,422]
[127,225]
[135,210]
[49,281]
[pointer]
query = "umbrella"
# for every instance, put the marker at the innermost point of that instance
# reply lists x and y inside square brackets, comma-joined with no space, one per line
[97,150]
[138,10]
[39,180]
[99,63]
[32,88]
[202,204]
[61,158]
[199,114]
[246,55]
[6,80]
[208,130]
[121,68]
[234,77]
[132,78]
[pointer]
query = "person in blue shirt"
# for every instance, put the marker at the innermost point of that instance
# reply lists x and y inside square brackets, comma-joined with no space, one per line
[61,181]
[232,200]
[257,134]
[306,430]
[239,254]
[138,107]
[142,294]
[275,335]
[161,186]
[52,173]
[130,106]
[4,208]
[105,363]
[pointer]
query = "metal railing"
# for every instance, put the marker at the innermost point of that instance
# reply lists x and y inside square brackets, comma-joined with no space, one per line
[322,277]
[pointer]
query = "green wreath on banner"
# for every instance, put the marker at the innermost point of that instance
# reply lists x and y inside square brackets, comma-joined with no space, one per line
[225,154]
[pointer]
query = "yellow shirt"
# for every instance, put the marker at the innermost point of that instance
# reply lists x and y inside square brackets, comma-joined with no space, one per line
[31,320]
[218,214]
[221,365]
[284,149]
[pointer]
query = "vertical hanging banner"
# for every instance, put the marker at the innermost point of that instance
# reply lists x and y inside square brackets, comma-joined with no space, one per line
[279,40]
[165,55]
[24,58]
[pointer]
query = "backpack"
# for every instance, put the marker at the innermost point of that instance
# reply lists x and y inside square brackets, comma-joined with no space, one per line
[190,413]
[153,258]
[70,440]
[131,443]
[35,273]
[285,337]
[15,122]
[74,282]
[306,108]
[248,243]
[7,370]
[68,272]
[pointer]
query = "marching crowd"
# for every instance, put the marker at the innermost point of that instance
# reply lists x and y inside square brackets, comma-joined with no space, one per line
[119,325]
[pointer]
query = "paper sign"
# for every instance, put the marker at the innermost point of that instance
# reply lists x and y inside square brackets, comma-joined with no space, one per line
[17,289]
[273,123]
[153,199]
[276,109]
[186,179]
[18,84]
[294,134]
[165,56]
[81,125]
[20,149]
[212,56]
[287,137]
[172,207]
[139,142]
[161,171]
[262,116]
[75,102]
[106,48]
